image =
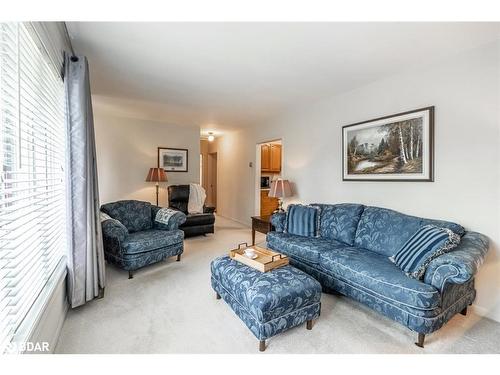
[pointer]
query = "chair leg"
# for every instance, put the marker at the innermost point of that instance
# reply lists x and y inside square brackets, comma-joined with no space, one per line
[130,275]
[420,340]
[262,345]
[101,293]
[179,258]
[464,312]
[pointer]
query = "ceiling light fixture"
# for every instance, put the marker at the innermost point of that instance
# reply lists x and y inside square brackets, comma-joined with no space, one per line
[211,137]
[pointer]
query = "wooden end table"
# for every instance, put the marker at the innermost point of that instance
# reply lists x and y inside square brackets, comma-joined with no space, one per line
[261,224]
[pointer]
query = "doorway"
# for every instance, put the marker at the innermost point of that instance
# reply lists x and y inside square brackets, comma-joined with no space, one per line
[212,179]
[269,160]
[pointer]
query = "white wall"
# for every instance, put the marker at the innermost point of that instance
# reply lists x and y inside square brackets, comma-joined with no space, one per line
[127,148]
[465,91]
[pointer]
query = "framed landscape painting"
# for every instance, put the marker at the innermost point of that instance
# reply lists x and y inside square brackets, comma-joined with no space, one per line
[399,147]
[173,159]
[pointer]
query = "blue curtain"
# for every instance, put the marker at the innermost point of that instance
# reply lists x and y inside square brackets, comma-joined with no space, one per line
[86,265]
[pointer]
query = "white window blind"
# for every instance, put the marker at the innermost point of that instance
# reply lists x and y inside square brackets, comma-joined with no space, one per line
[32,179]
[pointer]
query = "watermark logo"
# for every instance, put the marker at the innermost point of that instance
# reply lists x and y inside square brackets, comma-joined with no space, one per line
[26,347]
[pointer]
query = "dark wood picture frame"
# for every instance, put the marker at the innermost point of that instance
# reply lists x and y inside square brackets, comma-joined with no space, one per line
[430,161]
[174,149]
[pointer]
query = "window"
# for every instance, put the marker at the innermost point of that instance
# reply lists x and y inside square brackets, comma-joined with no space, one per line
[32,179]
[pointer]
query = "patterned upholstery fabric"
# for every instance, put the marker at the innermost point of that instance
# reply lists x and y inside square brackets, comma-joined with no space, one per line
[302,220]
[131,249]
[278,221]
[339,221]
[426,244]
[461,264]
[306,249]
[152,239]
[364,272]
[268,303]
[135,215]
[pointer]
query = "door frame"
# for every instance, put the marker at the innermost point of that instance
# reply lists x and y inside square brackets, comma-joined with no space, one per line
[211,156]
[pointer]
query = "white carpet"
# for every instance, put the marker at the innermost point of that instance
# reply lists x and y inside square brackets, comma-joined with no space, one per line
[171,308]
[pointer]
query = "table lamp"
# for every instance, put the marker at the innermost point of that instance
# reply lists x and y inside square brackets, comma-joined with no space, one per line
[156,175]
[280,189]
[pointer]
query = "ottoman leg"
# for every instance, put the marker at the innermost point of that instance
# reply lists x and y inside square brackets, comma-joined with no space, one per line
[179,257]
[309,325]
[130,275]
[262,345]
[217,295]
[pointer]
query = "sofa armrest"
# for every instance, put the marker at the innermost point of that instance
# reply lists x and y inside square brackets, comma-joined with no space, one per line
[278,221]
[174,223]
[208,210]
[459,265]
[113,229]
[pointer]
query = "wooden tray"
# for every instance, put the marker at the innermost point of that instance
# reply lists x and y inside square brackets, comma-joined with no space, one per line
[266,260]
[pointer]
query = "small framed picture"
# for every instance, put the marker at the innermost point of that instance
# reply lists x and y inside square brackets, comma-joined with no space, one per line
[173,159]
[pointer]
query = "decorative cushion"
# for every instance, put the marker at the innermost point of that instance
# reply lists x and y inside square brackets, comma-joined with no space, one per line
[304,249]
[302,220]
[339,221]
[426,244]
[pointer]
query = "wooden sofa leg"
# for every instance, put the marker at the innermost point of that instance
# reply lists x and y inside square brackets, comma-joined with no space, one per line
[309,324]
[217,295]
[262,345]
[179,258]
[130,275]
[464,312]
[420,340]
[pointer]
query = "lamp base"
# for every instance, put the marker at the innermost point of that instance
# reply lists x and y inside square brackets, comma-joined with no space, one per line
[280,207]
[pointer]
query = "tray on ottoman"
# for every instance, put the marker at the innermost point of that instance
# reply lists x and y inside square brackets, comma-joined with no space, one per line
[267,302]
[265,261]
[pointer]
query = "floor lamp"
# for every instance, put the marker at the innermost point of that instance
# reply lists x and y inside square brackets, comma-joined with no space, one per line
[156,175]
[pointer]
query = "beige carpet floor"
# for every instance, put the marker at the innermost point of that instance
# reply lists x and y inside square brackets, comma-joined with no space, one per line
[171,308]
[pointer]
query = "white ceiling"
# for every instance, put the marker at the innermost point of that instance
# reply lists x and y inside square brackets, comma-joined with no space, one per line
[227,75]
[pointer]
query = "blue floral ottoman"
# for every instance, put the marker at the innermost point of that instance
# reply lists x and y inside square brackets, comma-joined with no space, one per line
[267,302]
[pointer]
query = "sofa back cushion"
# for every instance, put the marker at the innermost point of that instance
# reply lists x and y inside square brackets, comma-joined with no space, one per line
[339,221]
[302,220]
[384,231]
[178,197]
[134,215]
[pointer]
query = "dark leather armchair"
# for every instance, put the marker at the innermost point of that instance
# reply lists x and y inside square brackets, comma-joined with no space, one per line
[196,224]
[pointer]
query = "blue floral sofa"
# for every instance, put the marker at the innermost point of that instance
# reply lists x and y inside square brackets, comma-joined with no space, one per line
[351,254]
[133,239]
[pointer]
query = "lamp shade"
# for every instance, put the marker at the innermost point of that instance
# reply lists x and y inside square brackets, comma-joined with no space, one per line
[156,175]
[280,189]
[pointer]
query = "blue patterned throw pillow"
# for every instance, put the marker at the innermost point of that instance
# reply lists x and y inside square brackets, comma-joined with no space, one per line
[426,244]
[302,220]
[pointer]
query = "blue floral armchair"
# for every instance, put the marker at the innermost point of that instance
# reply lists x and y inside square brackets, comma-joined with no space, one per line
[133,239]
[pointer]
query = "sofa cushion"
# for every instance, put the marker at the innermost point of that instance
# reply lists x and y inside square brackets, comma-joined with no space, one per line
[384,231]
[375,274]
[302,220]
[426,244]
[148,240]
[339,221]
[305,249]
[134,215]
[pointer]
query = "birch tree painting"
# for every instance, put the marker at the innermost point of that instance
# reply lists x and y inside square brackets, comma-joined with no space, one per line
[390,148]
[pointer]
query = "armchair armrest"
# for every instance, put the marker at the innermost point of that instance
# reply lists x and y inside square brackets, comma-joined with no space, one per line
[113,229]
[174,222]
[461,264]
[208,210]
[278,221]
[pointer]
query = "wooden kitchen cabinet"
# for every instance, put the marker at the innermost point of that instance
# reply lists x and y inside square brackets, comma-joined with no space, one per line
[270,158]
[267,204]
